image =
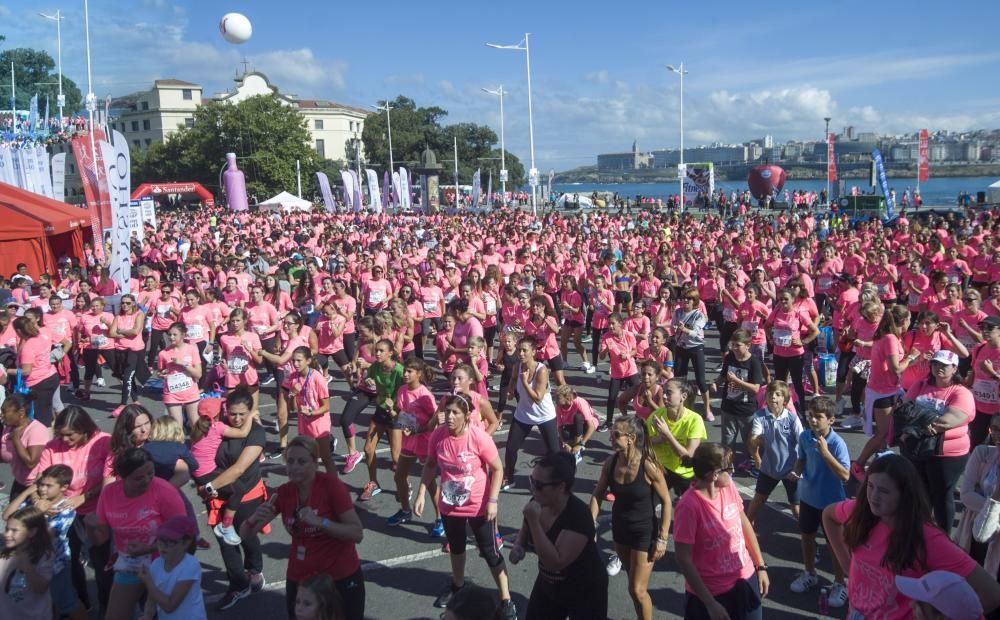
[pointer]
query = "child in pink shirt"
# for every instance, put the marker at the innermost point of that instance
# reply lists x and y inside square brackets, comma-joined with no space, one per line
[575,419]
[309,395]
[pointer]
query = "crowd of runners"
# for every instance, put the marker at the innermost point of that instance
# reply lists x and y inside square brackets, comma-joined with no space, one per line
[440,330]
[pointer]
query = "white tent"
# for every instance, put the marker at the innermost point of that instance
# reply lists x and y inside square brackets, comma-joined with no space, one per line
[993,195]
[584,201]
[286,202]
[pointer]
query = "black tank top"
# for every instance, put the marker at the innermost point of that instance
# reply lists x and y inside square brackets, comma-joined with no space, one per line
[633,500]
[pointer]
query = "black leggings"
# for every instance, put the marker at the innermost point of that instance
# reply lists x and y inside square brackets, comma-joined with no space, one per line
[250,558]
[595,343]
[44,391]
[351,591]
[793,365]
[567,599]
[99,556]
[357,403]
[696,357]
[131,367]
[482,530]
[858,385]
[940,475]
[91,367]
[157,342]
[726,330]
[518,432]
[614,389]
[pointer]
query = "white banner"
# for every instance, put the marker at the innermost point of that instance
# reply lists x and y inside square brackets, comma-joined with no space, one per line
[44,174]
[348,181]
[17,168]
[59,177]
[405,193]
[27,157]
[135,229]
[7,173]
[395,190]
[148,210]
[117,169]
[324,188]
[374,195]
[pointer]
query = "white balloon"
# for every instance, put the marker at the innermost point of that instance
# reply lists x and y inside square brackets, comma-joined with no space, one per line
[235,28]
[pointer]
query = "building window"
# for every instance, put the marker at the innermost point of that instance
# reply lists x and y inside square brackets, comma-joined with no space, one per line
[144,105]
[136,143]
[321,148]
[189,122]
[318,124]
[72,169]
[135,125]
[187,94]
[145,125]
[148,142]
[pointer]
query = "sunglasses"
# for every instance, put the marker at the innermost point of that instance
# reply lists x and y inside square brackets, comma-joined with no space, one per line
[618,434]
[731,469]
[539,485]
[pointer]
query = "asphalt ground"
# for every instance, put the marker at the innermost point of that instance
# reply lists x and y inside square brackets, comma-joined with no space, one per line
[404,566]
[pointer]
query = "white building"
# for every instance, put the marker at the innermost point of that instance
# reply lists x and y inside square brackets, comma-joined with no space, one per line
[158,112]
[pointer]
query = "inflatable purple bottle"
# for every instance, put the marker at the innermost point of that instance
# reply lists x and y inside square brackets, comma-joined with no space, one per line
[234,184]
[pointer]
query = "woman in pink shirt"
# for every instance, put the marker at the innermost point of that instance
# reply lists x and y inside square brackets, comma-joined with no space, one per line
[179,367]
[35,365]
[240,355]
[309,396]
[601,302]
[164,311]
[620,347]
[126,331]
[95,327]
[790,330]
[376,291]
[197,320]
[571,306]
[542,325]
[22,441]
[330,339]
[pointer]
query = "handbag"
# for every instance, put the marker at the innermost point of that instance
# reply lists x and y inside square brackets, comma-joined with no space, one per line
[21,387]
[909,422]
[987,522]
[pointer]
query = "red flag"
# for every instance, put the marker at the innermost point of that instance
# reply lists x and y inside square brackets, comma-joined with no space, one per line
[923,165]
[831,159]
[95,186]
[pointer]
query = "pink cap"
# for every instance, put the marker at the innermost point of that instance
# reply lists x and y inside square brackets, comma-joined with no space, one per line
[946,357]
[947,592]
[176,528]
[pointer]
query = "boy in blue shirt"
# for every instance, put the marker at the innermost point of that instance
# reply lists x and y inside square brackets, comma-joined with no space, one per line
[774,439]
[822,467]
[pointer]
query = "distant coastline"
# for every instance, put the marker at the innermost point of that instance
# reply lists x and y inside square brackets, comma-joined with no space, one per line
[590,174]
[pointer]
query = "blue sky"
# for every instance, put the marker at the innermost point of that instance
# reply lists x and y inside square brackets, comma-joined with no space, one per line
[598,76]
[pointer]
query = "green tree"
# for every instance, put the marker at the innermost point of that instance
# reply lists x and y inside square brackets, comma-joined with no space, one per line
[266,135]
[35,73]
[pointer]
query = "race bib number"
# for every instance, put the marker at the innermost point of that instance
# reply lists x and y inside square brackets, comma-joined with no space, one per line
[430,306]
[825,282]
[986,390]
[98,341]
[491,305]
[782,337]
[729,315]
[237,364]
[178,382]
[195,331]
[375,297]
[260,329]
[750,326]
[913,299]
[457,492]
[883,289]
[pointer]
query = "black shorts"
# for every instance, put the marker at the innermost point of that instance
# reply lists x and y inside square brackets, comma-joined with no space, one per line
[884,403]
[384,418]
[623,298]
[570,323]
[634,535]
[810,518]
[766,484]
[555,363]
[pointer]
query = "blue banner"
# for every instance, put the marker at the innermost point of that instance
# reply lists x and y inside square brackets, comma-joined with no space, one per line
[883,182]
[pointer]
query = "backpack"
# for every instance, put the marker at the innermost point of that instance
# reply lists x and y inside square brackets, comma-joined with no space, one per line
[909,431]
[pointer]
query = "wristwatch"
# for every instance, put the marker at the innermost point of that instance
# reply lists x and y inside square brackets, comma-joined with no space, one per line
[762,567]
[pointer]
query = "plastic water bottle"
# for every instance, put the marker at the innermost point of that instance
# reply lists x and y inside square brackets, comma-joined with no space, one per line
[824,601]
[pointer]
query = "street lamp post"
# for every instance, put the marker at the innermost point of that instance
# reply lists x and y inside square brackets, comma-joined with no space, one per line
[503,158]
[388,122]
[533,173]
[827,136]
[61,99]
[679,70]
[91,98]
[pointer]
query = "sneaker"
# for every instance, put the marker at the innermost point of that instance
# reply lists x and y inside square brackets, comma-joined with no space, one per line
[508,611]
[268,380]
[852,421]
[710,417]
[117,411]
[805,581]
[614,565]
[586,338]
[506,485]
[745,466]
[351,462]
[257,582]
[590,369]
[500,541]
[371,490]
[99,382]
[442,599]
[841,404]
[753,472]
[603,428]
[578,457]
[329,379]
[837,596]
[227,534]
[438,530]
[277,453]
[231,598]
[401,516]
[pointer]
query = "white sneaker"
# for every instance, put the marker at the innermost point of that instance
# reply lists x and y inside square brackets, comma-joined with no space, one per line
[852,421]
[227,534]
[837,596]
[803,582]
[614,565]
[590,369]
[841,404]
[99,382]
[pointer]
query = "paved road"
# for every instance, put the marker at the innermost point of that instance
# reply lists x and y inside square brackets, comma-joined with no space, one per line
[405,568]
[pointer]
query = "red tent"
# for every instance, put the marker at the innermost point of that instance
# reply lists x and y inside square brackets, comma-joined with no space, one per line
[36,230]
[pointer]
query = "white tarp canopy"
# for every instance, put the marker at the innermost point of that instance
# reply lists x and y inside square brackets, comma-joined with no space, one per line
[584,201]
[993,195]
[287,203]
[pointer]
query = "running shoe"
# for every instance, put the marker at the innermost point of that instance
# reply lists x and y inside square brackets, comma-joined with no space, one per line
[257,581]
[117,411]
[371,490]
[590,369]
[506,485]
[268,380]
[442,599]
[614,565]
[753,472]
[277,453]
[227,534]
[852,421]
[401,516]
[578,457]
[841,404]
[351,462]
[603,428]
[837,596]
[438,530]
[508,611]
[805,581]
[500,541]
[99,382]
[586,338]
[710,417]
[231,598]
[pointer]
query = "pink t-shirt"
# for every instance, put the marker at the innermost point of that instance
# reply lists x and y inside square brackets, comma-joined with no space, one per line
[986,389]
[205,448]
[36,351]
[462,463]
[61,324]
[179,388]
[135,519]
[872,587]
[415,407]
[956,440]
[714,528]
[565,415]
[545,338]
[261,317]
[325,328]
[787,327]
[126,322]
[919,369]
[309,392]
[35,434]
[86,461]
[197,321]
[883,380]
[621,353]
[464,330]
[240,369]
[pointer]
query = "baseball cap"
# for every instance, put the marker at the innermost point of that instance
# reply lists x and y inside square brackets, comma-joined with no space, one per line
[947,592]
[990,321]
[176,528]
[297,256]
[945,357]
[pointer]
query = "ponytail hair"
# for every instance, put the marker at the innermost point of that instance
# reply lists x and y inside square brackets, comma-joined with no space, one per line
[422,367]
[893,319]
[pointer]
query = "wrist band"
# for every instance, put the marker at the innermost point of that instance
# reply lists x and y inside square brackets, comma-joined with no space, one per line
[491,500]
[668,364]
[661,540]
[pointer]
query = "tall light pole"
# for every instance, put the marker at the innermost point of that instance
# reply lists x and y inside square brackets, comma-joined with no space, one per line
[61,99]
[679,70]
[533,172]
[388,121]
[827,136]
[503,160]
[91,98]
